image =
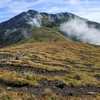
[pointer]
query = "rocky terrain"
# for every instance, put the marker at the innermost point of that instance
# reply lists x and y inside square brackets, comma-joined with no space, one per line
[44,71]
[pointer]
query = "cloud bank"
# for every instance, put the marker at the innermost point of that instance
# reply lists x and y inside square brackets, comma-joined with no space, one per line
[80,31]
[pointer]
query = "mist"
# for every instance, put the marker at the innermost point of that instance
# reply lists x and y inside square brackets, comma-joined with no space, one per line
[78,30]
[24,31]
[9,31]
[36,21]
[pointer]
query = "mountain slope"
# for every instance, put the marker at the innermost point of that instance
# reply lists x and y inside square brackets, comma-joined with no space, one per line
[41,63]
[20,26]
[46,70]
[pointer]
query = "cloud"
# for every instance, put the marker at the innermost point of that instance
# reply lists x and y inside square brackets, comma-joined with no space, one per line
[3,3]
[56,9]
[94,9]
[80,31]
[34,22]
[14,7]
[10,8]
[91,15]
[8,31]
[17,6]
[24,31]
[74,2]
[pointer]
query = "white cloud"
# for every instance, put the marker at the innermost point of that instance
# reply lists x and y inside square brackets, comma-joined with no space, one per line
[93,15]
[74,2]
[34,22]
[3,3]
[14,7]
[79,30]
[17,6]
[56,9]
[94,9]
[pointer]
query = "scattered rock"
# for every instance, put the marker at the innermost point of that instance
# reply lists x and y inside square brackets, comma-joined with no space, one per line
[24,88]
[17,58]
[54,87]
[77,77]
[0,64]
[9,88]
[70,94]
[60,85]
[2,94]
[81,88]
[27,68]
[91,93]
[68,66]
[43,71]
[24,73]
[45,82]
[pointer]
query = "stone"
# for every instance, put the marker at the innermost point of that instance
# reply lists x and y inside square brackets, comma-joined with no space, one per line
[77,77]
[60,85]
[68,66]
[2,94]
[17,58]
[43,71]
[70,94]
[8,88]
[24,73]
[91,93]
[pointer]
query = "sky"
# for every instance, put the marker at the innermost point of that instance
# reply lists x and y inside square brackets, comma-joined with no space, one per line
[89,9]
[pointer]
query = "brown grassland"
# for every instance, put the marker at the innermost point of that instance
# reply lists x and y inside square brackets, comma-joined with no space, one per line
[73,65]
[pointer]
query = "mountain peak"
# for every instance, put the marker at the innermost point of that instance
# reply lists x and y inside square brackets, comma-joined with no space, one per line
[32,12]
[18,27]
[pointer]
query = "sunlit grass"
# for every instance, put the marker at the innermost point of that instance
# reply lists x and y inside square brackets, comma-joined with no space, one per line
[81,60]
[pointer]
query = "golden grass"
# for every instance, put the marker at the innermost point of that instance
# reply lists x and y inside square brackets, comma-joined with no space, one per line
[78,58]
[14,78]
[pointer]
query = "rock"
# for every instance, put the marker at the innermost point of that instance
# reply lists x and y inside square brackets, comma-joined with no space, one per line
[81,88]
[43,71]
[91,93]
[70,94]
[24,88]
[8,88]
[77,77]
[24,73]
[45,82]
[0,64]
[54,87]
[17,58]
[67,66]
[2,94]
[60,85]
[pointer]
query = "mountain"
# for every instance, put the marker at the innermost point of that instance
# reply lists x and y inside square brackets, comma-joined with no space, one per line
[20,27]
[41,60]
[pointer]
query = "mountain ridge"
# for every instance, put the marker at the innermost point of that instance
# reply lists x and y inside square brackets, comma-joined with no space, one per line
[18,27]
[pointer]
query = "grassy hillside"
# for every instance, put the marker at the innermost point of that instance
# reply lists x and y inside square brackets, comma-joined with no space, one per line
[45,34]
[48,70]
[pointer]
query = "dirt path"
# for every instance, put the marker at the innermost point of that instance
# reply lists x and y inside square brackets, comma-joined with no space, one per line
[56,86]
[28,68]
[33,69]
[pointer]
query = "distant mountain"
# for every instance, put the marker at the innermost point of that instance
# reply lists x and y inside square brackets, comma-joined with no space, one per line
[29,25]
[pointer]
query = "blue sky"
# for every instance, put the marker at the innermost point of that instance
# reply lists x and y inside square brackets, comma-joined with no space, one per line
[89,9]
